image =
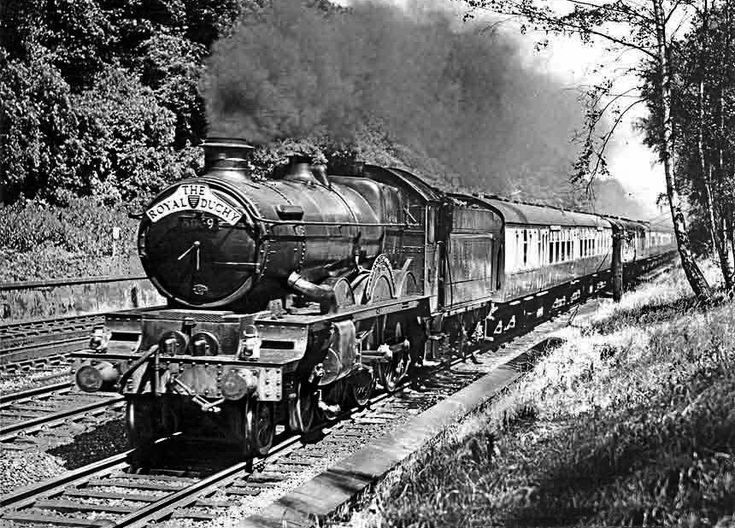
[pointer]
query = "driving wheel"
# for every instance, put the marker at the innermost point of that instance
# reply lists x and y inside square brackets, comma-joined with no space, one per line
[391,372]
[362,384]
[260,428]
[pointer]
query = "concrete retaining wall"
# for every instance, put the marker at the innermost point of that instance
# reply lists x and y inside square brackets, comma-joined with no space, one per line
[52,301]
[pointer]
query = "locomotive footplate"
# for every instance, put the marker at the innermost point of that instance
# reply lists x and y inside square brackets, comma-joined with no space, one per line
[272,349]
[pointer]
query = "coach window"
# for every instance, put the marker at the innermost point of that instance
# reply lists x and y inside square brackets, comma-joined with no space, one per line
[589,244]
[570,245]
[539,247]
[519,250]
[557,251]
[579,243]
[525,248]
[550,248]
[545,248]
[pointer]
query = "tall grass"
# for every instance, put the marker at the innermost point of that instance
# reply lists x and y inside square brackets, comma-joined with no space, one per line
[632,422]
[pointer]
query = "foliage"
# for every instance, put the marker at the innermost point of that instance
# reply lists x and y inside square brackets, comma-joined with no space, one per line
[42,241]
[172,66]
[649,30]
[628,424]
[123,149]
[102,98]
[703,99]
[37,119]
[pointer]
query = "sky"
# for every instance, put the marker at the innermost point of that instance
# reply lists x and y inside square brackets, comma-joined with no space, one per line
[631,162]
[573,62]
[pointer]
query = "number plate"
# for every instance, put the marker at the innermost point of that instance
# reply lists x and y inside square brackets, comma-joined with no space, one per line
[205,222]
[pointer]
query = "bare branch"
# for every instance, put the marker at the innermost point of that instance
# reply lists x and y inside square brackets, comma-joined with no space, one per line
[616,6]
[606,140]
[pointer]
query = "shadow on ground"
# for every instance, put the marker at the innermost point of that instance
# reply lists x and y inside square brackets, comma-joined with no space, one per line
[103,441]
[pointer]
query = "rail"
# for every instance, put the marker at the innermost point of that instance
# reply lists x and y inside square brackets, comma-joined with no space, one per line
[53,283]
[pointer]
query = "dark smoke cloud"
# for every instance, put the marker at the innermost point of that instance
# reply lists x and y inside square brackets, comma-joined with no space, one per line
[457,96]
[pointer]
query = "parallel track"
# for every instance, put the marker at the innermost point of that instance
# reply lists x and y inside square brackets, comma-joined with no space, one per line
[48,363]
[47,408]
[33,340]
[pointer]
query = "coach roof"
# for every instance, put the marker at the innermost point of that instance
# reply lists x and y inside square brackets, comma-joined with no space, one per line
[529,214]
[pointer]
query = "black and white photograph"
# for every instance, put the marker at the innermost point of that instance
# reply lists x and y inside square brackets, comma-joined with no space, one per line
[367,263]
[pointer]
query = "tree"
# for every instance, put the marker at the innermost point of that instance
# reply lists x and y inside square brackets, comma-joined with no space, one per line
[649,29]
[702,101]
[36,121]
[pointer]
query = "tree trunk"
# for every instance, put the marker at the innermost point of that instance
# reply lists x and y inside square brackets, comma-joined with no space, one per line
[715,220]
[704,170]
[730,230]
[728,273]
[694,275]
[717,231]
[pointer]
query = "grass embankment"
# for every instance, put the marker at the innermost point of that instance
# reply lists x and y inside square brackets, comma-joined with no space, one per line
[39,241]
[631,422]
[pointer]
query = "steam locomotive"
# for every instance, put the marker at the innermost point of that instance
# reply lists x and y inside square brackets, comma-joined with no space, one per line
[292,297]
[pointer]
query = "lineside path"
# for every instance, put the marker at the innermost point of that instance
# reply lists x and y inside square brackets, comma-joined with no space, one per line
[314,501]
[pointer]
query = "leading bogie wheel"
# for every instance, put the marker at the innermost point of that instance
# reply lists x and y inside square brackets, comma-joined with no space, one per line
[141,421]
[303,409]
[260,428]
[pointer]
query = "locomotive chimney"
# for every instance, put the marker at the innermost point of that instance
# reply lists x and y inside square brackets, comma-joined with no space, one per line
[227,153]
[299,168]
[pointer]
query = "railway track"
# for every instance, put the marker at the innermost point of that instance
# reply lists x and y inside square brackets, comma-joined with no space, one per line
[50,409]
[50,364]
[23,345]
[170,485]
[121,497]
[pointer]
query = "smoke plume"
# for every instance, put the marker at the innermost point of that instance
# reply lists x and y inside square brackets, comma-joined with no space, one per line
[428,88]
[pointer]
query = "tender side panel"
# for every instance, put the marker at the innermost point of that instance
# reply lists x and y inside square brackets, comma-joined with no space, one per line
[472,256]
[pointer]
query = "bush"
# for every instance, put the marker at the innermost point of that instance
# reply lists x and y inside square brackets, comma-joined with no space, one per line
[85,226]
[124,147]
[37,122]
[39,241]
